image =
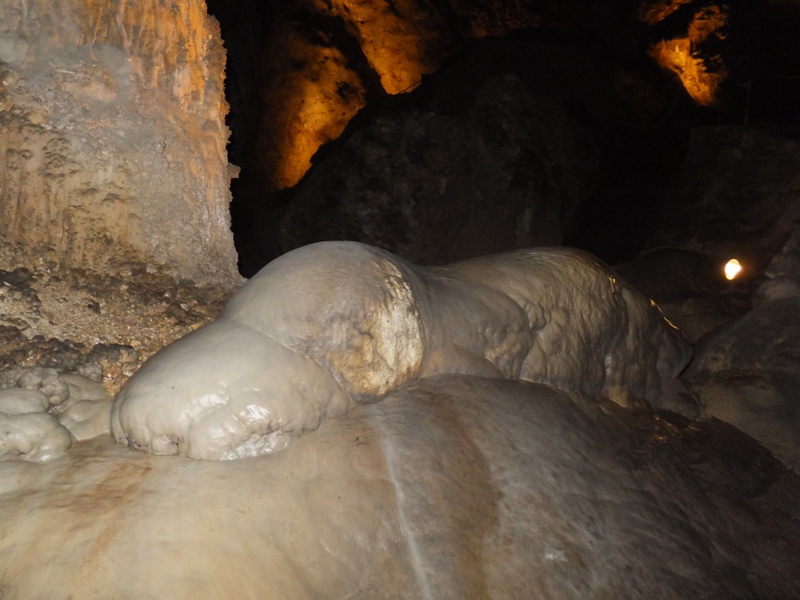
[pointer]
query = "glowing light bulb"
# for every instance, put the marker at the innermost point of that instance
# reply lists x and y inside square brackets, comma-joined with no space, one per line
[732,269]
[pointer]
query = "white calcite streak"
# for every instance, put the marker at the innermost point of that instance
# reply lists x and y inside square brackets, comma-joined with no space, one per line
[336,324]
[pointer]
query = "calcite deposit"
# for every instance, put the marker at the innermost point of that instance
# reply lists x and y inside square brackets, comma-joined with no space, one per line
[112,136]
[455,487]
[337,324]
[452,474]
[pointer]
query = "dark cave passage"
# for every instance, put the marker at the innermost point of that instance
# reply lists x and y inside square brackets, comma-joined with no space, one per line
[595,63]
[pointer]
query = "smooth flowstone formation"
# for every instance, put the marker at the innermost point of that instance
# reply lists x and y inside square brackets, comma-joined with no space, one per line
[43,412]
[452,487]
[336,324]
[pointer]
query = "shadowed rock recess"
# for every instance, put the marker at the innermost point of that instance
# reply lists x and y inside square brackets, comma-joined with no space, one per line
[508,171]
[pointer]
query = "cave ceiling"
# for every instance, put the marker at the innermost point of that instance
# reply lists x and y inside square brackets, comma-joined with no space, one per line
[318,62]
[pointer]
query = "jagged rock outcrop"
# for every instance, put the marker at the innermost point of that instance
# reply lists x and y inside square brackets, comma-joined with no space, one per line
[324,60]
[313,82]
[746,371]
[737,198]
[112,136]
[506,172]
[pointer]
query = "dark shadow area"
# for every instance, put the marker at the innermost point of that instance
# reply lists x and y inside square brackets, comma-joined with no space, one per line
[638,115]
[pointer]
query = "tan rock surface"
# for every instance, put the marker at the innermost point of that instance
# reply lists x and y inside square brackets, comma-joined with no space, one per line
[112,136]
[103,325]
[456,487]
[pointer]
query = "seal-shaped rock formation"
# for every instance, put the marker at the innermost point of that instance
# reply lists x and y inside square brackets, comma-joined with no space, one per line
[336,324]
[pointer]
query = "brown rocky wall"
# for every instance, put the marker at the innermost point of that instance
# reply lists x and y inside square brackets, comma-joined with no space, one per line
[112,136]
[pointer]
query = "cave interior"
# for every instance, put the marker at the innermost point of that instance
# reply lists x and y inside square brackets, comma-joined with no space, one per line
[158,155]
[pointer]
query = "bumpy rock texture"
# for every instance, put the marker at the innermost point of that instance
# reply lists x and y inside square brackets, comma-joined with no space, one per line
[100,326]
[739,190]
[507,171]
[28,428]
[339,323]
[69,339]
[112,136]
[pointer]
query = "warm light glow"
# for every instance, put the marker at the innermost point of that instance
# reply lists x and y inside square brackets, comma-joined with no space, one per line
[732,269]
[393,36]
[683,57]
[314,91]
[655,12]
[318,94]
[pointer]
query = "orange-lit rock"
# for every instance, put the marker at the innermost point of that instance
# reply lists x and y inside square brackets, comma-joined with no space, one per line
[112,135]
[310,95]
[402,39]
[655,12]
[311,89]
[701,73]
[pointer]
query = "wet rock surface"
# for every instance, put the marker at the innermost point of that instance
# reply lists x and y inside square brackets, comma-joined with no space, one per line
[453,487]
[333,324]
[70,338]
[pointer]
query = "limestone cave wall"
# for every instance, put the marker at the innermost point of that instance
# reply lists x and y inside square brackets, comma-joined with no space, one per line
[323,60]
[112,136]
